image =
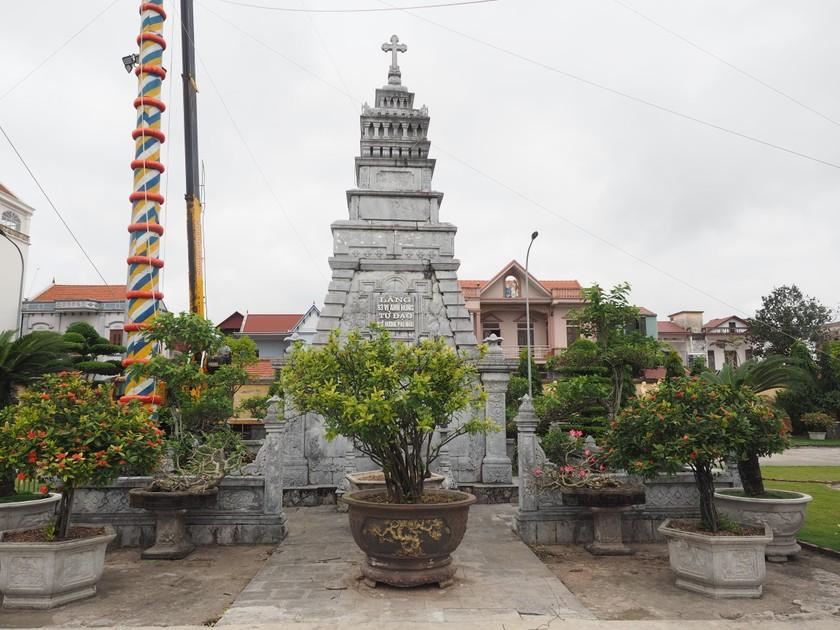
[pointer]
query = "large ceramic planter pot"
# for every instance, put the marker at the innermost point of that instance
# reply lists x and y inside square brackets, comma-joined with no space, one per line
[816,435]
[717,566]
[28,514]
[49,574]
[607,505]
[172,540]
[784,516]
[408,544]
[375,480]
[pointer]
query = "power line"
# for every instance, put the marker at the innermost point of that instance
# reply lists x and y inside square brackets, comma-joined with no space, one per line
[498,182]
[617,92]
[708,52]
[56,51]
[355,10]
[254,159]
[52,205]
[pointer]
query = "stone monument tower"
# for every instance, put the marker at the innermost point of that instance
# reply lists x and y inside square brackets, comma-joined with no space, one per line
[393,259]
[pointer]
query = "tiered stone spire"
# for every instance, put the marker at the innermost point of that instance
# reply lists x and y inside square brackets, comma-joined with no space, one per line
[393,260]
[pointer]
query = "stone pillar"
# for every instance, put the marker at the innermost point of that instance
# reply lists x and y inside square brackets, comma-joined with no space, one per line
[496,466]
[295,465]
[526,434]
[271,455]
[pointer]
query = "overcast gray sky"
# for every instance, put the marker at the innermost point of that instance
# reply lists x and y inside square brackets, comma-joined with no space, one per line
[724,214]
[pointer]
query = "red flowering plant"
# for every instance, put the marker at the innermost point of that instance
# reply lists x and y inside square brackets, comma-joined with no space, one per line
[684,421]
[64,429]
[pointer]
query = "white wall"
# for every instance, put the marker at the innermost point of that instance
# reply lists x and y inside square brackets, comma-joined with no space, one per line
[10,265]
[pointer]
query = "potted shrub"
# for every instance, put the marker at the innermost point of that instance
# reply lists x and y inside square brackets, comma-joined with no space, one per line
[817,423]
[752,504]
[65,429]
[389,398]
[581,477]
[688,421]
[22,361]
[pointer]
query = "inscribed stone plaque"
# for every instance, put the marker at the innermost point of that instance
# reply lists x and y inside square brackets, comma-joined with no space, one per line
[396,311]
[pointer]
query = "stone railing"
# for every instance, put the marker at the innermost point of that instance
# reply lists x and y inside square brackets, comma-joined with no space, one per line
[543,518]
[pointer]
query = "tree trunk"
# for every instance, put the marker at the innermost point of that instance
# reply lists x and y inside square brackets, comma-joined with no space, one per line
[750,473]
[62,524]
[706,487]
[7,482]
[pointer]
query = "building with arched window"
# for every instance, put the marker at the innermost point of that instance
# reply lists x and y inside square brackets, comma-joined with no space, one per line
[15,218]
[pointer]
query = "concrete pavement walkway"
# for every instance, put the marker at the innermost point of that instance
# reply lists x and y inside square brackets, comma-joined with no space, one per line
[805,456]
[314,577]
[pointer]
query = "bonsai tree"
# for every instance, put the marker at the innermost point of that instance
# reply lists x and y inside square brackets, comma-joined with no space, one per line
[66,429]
[86,346]
[21,362]
[684,421]
[817,421]
[199,401]
[388,397]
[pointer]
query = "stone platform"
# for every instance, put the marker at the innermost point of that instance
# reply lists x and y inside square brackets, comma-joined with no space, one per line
[314,577]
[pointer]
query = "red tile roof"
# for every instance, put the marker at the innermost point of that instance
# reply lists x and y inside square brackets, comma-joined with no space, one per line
[261,369]
[670,328]
[654,374]
[268,323]
[231,322]
[646,312]
[5,190]
[96,292]
[560,284]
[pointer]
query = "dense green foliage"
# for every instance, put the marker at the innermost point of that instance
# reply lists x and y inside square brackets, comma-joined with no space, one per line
[673,364]
[817,421]
[86,346]
[690,421]
[785,317]
[198,401]
[388,397]
[22,361]
[774,372]
[580,402]
[821,393]
[67,429]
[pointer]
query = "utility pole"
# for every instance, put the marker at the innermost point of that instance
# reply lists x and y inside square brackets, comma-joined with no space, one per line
[192,196]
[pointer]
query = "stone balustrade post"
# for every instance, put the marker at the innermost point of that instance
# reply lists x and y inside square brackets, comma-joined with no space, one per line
[526,436]
[272,457]
[295,464]
[495,374]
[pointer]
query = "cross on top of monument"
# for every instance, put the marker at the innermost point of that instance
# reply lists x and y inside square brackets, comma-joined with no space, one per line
[394,47]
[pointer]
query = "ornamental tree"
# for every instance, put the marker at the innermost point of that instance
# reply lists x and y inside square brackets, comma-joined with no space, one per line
[684,421]
[66,429]
[785,317]
[86,346]
[388,397]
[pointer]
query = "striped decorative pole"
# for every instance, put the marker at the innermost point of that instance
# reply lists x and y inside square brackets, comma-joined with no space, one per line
[143,260]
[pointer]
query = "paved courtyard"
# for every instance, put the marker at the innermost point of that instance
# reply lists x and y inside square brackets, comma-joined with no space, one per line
[314,577]
[805,456]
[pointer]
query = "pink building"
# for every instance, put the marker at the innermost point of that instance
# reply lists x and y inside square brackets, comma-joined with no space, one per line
[497,306]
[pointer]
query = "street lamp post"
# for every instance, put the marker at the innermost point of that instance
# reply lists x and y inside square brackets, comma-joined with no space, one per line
[20,292]
[534,235]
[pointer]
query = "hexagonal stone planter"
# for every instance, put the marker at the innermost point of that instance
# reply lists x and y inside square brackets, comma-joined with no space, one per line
[49,574]
[717,566]
[784,516]
[26,514]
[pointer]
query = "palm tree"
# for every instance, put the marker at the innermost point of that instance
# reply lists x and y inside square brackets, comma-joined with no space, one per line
[21,362]
[774,372]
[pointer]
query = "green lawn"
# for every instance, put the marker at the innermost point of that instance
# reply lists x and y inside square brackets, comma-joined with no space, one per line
[822,516]
[803,441]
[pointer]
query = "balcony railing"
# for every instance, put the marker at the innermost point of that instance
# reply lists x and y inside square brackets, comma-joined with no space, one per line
[725,330]
[538,352]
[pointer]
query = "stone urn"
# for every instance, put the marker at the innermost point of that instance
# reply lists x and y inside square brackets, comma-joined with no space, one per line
[172,540]
[27,514]
[785,516]
[607,505]
[408,544]
[722,567]
[49,574]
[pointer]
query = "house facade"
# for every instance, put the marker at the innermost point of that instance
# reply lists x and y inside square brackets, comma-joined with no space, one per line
[718,341]
[59,305]
[15,220]
[272,332]
[497,306]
